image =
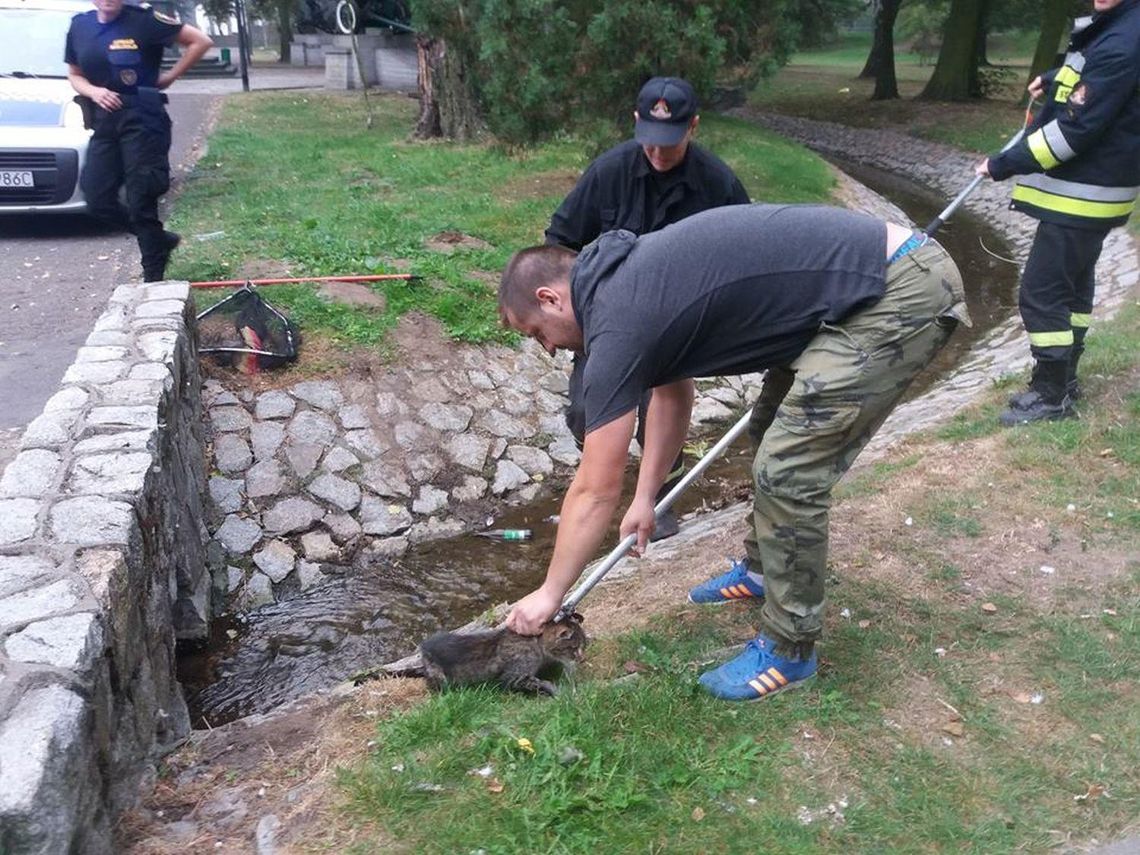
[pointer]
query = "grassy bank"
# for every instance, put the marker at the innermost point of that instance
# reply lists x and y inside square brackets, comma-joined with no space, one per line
[297,185]
[978,689]
[825,85]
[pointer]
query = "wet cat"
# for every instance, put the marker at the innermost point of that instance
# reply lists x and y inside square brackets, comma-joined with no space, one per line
[515,662]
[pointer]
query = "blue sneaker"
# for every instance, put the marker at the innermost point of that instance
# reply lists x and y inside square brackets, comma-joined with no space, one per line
[757,673]
[736,584]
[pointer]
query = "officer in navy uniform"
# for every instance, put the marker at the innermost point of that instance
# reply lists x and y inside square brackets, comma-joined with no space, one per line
[114,57]
[1079,175]
[641,185]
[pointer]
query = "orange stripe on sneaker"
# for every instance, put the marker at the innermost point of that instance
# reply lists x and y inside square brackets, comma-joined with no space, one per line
[780,678]
[760,689]
[767,681]
[735,589]
[727,593]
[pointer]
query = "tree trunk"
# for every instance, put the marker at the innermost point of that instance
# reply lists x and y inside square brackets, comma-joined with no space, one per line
[285,30]
[428,56]
[870,67]
[955,76]
[886,86]
[1054,20]
[981,56]
[447,103]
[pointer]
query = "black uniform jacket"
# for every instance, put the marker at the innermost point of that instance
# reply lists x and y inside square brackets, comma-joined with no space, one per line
[620,190]
[1080,157]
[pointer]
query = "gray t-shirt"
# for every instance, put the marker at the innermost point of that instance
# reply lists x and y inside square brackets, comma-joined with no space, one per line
[727,291]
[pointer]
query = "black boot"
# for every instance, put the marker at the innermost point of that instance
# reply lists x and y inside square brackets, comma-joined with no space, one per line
[1046,398]
[1072,384]
[667,524]
[171,240]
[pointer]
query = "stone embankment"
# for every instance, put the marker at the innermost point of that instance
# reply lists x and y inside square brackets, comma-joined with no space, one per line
[102,567]
[322,475]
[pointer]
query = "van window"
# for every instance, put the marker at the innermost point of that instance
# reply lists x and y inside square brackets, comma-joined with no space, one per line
[32,41]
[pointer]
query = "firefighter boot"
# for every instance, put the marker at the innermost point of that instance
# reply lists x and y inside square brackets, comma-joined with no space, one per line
[1046,399]
[1072,382]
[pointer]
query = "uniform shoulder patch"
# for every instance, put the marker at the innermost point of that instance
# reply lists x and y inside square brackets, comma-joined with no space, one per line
[1079,95]
[166,19]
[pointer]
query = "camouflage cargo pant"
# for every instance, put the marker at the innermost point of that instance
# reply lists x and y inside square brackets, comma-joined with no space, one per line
[846,382]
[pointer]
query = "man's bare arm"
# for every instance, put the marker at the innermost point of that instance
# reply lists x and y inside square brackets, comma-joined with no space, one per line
[105,98]
[589,506]
[194,45]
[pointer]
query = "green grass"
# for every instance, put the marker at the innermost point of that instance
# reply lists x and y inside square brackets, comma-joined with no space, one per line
[871,479]
[651,764]
[298,181]
[1110,445]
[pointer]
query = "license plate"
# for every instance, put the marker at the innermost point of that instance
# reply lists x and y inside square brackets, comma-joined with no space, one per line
[12,178]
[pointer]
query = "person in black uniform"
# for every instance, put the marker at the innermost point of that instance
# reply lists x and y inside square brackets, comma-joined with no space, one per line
[659,177]
[114,56]
[1079,168]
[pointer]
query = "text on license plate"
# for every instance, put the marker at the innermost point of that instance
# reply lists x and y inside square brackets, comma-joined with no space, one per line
[12,178]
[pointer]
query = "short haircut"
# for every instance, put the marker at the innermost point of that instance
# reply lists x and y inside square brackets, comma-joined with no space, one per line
[529,269]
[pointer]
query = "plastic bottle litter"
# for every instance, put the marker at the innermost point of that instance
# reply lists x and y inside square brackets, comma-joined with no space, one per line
[507,534]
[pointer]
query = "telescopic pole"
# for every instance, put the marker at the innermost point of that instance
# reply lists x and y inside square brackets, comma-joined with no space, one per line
[620,551]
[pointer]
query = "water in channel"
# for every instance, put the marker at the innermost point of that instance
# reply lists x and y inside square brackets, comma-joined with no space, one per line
[378,613]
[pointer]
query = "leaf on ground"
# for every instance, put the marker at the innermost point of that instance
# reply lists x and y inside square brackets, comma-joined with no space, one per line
[1021,697]
[1094,792]
[1096,737]
[989,608]
[698,814]
[863,624]
[494,785]
[954,728]
[634,667]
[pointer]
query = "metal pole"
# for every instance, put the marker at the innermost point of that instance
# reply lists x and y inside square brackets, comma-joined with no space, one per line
[239,13]
[620,551]
[381,277]
[941,219]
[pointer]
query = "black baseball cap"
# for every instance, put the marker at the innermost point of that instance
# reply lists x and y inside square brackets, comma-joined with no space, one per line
[665,106]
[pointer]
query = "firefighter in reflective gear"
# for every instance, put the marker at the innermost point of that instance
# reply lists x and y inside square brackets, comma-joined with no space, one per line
[1079,164]
[114,61]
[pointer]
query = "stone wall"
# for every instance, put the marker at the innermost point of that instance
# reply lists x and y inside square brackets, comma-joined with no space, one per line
[101,568]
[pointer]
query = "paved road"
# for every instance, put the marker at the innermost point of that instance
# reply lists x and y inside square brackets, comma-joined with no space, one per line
[59,271]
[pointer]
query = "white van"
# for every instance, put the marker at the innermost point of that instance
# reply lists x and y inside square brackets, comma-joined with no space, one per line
[42,139]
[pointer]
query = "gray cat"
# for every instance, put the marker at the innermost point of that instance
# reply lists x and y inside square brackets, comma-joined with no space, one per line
[515,662]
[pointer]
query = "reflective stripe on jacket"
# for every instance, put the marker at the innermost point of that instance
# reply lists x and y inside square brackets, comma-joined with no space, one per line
[1080,157]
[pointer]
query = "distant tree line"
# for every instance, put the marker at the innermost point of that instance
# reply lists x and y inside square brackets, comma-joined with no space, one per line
[527,69]
[960,72]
